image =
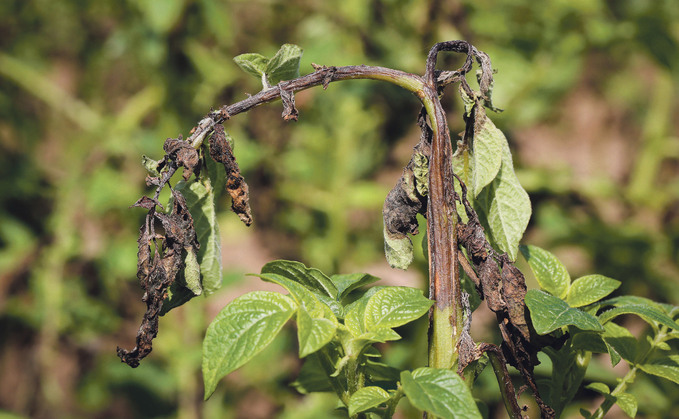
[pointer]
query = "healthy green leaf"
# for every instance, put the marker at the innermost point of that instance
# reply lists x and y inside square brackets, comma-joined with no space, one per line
[313,333]
[628,404]
[311,278]
[487,151]
[549,271]
[177,295]
[379,372]
[589,289]
[357,345]
[302,296]
[398,251]
[241,330]
[506,207]
[439,392]
[549,313]
[600,388]
[667,368]
[649,313]
[620,343]
[312,377]
[200,200]
[367,398]
[395,306]
[252,63]
[348,282]
[285,64]
[192,272]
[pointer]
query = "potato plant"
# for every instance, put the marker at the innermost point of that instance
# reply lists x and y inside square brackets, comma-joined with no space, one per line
[476,213]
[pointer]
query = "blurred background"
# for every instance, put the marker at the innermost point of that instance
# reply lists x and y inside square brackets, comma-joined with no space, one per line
[589,90]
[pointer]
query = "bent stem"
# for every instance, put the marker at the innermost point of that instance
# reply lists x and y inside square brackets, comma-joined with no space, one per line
[446,316]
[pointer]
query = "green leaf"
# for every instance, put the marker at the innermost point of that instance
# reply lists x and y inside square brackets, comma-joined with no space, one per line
[398,251]
[506,207]
[628,403]
[355,312]
[348,282]
[439,392]
[395,306]
[200,199]
[302,296]
[192,272]
[549,313]
[667,368]
[313,333]
[285,64]
[367,398]
[589,289]
[311,278]
[241,330]
[649,313]
[600,388]
[312,377]
[177,295]
[549,271]
[252,63]
[379,372]
[620,343]
[358,344]
[488,146]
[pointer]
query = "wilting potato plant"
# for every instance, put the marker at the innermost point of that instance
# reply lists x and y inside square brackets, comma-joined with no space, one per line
[476,213]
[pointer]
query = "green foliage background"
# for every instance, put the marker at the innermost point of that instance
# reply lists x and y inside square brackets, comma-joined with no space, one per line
[589,90]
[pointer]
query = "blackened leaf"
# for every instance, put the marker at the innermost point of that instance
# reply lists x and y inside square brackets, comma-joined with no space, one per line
[285,64]
[220,151]
[184,154]
[252,63]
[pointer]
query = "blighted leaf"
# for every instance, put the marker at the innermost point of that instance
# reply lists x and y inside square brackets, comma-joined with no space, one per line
[221,152]
[404,202]
[506,207]
[345,283]
[549,313]
[200,200]
[549,271]
[184,154]
[487,151]
[240,331]
[439,392]
[313,333]
[589,289]
[367,398]
[284,65]
[667,367]
[311,278]
[252,63]
[395,306]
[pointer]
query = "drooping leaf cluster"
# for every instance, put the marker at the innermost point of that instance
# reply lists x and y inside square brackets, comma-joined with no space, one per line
[179,253]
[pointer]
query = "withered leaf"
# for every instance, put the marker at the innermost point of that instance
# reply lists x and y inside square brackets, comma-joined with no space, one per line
[221,152]
[183,154]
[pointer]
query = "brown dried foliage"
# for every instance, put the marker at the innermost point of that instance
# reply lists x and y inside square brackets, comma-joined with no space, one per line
[221,152]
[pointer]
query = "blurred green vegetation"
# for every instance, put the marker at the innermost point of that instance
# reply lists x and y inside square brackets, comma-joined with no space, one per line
[589,90]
